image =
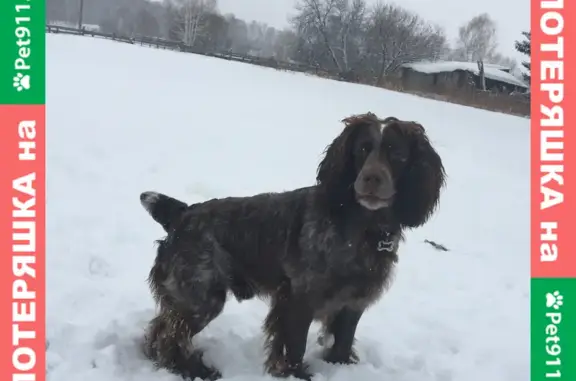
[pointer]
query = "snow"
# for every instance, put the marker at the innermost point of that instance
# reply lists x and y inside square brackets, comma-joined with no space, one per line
[490,70]
[124,119]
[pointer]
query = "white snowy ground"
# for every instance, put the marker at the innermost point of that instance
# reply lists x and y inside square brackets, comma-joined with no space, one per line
[123,119]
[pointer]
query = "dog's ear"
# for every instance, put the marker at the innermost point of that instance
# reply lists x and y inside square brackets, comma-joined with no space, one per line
[420,183]
[336,170]
[336,173]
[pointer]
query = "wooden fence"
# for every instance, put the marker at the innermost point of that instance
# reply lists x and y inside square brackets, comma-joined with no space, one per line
[162,43]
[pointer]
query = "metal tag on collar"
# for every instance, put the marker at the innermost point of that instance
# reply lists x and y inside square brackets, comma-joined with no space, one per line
[385,246]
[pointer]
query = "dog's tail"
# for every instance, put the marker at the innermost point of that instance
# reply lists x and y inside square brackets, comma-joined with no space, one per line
[164,209]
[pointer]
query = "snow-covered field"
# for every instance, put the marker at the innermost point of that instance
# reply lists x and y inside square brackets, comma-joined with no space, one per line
[123,119]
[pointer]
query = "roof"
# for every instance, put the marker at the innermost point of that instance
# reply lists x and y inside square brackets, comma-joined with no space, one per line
[491,71]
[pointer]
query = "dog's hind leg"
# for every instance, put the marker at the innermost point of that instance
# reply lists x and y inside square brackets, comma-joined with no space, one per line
[338,333]
[191,292]
[168,344]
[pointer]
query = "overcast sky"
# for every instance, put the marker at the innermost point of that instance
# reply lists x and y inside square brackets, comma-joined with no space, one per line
[512,16]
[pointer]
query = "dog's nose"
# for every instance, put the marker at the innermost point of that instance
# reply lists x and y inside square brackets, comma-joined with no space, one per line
[372,181]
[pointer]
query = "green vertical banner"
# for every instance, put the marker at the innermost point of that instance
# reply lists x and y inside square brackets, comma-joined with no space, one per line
[23,52]
[553,337]
[553,190]
[22,190]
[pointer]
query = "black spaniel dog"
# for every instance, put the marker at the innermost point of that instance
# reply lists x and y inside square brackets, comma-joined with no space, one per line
[322,253]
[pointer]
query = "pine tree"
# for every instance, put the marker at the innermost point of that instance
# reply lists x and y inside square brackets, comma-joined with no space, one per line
[524,48]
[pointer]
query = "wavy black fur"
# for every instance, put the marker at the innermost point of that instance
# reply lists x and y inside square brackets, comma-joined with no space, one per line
[316,252]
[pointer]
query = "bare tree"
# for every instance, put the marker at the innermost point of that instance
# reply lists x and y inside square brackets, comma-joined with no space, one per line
[146,24]
[189,18]
[396,36]
[476,39]
[123,21]
[345,36]
[285,45]
[238,35]
[62,10]
[261,38]
[311,24]
[330,31]
[499,59]
[347,27]
[216,36]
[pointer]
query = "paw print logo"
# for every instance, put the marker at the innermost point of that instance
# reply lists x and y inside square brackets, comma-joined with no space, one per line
[554,300]
[21,82]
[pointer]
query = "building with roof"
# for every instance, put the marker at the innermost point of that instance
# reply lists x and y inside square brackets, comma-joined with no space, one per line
[445,75]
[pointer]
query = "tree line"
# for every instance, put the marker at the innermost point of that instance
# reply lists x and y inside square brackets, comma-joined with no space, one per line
[349,37]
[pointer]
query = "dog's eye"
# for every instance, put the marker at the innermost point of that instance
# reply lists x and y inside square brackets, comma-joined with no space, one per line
[365,148]
[397,154]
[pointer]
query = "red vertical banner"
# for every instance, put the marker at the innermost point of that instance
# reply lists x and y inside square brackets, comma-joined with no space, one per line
[22,239]
[553,190]
[22,190]
[553,139]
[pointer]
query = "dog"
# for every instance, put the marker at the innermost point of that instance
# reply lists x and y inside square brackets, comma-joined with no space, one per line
[321,253]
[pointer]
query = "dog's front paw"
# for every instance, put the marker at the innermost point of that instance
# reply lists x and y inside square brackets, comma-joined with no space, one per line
[338,357]
[206,373]
[283,369]
[301,372]
[212,375]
